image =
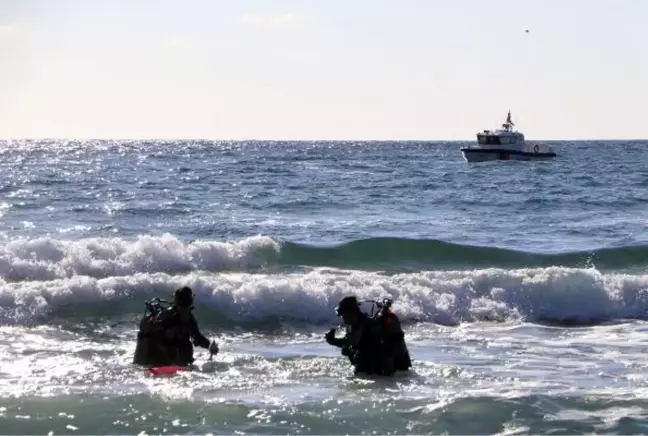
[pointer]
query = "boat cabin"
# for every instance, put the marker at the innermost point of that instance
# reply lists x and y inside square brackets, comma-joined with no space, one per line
[499,138]
[504,136]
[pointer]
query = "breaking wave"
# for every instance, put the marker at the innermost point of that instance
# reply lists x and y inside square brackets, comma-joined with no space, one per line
[555,294]
[49,259]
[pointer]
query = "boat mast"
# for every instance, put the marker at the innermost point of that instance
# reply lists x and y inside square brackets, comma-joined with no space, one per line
[508,124]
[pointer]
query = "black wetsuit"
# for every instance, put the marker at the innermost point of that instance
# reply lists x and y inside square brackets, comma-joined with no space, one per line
[373,347]
[168,339]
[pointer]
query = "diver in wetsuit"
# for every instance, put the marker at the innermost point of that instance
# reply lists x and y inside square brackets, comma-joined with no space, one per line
[167,336]
[374,345]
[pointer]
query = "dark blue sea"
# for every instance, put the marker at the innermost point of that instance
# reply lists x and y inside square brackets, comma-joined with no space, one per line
[522,286]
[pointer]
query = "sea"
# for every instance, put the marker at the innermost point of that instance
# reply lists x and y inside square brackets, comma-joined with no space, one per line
[522,287]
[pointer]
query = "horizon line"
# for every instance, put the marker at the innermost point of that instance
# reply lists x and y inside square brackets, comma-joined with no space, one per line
[54,138]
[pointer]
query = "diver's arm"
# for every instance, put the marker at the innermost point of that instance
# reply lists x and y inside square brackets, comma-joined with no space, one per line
[199,339]
[332,340]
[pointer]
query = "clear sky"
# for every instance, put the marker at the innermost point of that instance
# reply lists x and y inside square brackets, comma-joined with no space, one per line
[328,69]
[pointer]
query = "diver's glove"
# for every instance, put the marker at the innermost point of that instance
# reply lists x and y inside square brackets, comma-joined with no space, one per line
[213,348]
[330,337]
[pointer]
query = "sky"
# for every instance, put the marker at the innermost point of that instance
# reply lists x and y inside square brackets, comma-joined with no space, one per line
[322,70]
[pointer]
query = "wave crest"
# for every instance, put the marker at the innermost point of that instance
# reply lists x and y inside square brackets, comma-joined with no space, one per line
[49,259]
[555,294]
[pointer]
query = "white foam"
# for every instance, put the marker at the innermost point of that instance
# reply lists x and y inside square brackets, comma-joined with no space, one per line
[446,297]
[48,259]
[4,207]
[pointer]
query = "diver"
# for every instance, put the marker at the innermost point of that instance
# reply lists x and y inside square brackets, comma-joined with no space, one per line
[167,335]
[374,344]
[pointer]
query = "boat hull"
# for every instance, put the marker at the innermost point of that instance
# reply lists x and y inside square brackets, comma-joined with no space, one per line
[482,155]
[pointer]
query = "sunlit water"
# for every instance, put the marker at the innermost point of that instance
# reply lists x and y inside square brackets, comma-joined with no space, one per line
[522,286]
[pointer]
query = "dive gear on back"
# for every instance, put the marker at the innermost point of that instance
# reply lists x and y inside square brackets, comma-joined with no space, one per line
[150,349]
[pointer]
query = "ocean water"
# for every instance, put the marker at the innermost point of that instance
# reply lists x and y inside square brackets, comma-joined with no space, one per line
[523,286]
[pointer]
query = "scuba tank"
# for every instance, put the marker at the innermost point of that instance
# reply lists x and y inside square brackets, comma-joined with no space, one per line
[392,335]
[150,349]
[153,309]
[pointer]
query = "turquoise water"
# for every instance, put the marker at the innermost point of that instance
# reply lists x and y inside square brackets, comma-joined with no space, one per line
[522,285]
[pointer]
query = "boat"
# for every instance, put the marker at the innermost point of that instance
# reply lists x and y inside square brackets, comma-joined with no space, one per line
[505,144]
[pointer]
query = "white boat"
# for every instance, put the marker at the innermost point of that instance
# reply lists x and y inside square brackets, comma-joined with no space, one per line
[505,144]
